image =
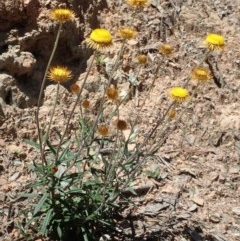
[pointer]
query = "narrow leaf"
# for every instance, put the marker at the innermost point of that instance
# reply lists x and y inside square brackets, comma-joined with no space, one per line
[46,222]
[40,203]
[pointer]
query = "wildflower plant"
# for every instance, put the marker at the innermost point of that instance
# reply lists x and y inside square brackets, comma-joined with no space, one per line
[80,180]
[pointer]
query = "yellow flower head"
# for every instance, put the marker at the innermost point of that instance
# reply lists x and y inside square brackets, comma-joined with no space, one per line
[201,74]
[59,74]
[127,33]
[112,93]
[179,94]
[138,3]
[166,49]
[75,88]
[103,130]
[86,104]
[142,59]
[62,15]
[121,125]
[99,39]
[214,42]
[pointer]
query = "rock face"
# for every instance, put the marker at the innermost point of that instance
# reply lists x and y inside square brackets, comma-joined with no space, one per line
[27,38]
[17,62]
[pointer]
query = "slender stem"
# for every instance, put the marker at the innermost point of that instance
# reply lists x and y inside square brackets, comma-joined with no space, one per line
[148,93]
[158,123]
[51,118]
[113,156]
[136,86]
[200,63]
[158,145]
[115,66]
[41,94]
[108,83]
[75,105]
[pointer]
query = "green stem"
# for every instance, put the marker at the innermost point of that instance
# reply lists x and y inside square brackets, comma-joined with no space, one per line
[51,118]
[74,107]
[158,145]
[107,84]
[115,66]
[200,63]
[41,94]
[148,93]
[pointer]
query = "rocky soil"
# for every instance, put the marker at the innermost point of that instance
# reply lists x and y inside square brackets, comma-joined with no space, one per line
[194,193]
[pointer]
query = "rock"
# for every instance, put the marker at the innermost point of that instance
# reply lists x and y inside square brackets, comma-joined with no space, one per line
[12,148]
[14,177]
[11,95]
[213,176]
[17,62]
[6,82]
[3,181]
[236,210]
[193,208]
[184,216]
[2,115]
[154,208]
[234,170]
[229,118]
[199,201]
[216,218]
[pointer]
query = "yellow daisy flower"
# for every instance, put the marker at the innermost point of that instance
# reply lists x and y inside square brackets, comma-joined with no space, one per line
[166,49]
[59,74]
[214,42]
[138,3]
[62,15]
[127,33]
[99,39]
[201,74]
[179,94]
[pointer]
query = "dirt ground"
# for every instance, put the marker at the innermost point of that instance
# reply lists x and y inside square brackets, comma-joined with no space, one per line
[195,191]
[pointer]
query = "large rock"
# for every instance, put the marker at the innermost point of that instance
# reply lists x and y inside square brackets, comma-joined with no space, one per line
[28,34]
[17,62]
